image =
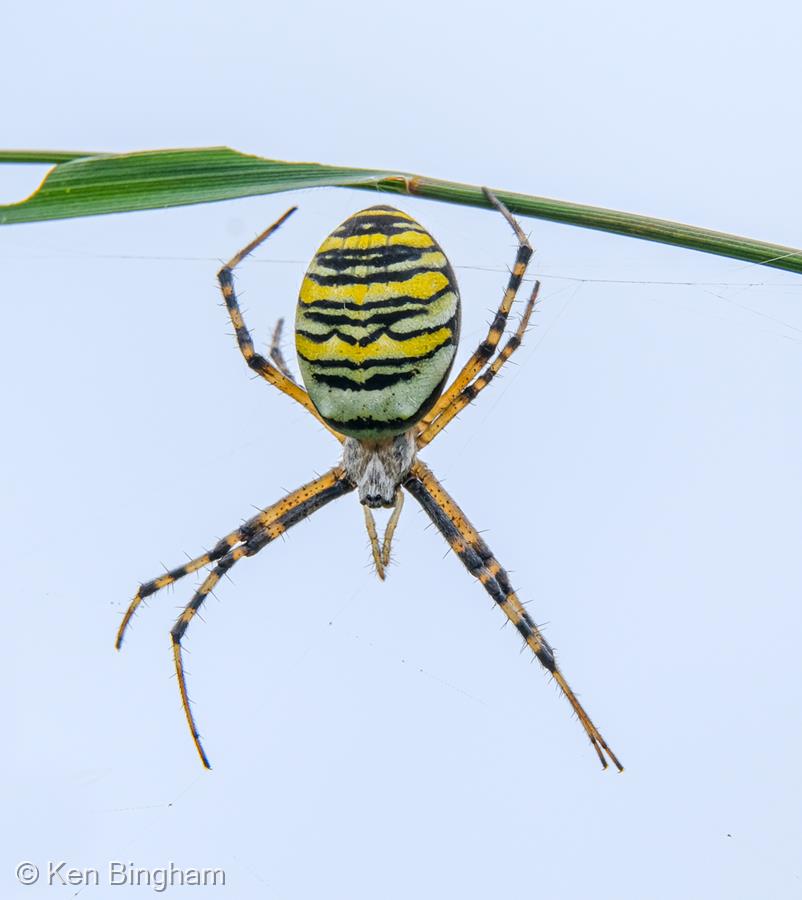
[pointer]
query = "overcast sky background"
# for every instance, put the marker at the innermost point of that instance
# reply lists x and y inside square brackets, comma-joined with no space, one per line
[638,470]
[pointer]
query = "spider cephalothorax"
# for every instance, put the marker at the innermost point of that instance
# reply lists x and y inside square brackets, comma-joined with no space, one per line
[378,468]
[376,332]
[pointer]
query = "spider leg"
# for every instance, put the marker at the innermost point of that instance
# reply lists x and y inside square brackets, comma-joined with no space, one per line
[275,351]
[480,562]
[294,508]
[469,393]
[253,545]
[277,513]
[487,348]
[256,361]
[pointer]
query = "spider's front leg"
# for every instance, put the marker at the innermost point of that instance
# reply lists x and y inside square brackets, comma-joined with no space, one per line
[147,588]
[247,540]
[478,559]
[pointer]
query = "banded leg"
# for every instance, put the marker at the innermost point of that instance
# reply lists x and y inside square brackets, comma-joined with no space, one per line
[480,562]
[469,393]
[255,360]
[381,557]
[276,512]
[254,545]
[488,346]
[275,351]
[274,522]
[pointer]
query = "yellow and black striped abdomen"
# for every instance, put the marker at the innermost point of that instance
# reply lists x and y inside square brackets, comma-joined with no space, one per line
[377,324]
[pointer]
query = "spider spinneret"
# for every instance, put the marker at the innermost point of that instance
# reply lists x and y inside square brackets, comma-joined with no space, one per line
[376,332]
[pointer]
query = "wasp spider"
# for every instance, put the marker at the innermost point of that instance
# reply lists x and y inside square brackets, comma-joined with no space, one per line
[376,332]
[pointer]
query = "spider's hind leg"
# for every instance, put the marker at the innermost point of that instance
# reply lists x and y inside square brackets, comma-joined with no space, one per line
[471,391]
[277,376]
[487,348]
[275,351]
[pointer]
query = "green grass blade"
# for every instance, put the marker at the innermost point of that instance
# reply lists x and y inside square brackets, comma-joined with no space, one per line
[85,185]
[41,156]
[90,186]
[629,224]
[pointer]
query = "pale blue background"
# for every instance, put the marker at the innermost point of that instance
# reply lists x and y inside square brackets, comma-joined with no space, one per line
[638,471]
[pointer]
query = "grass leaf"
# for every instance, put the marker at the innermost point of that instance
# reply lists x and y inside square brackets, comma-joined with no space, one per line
[83,184]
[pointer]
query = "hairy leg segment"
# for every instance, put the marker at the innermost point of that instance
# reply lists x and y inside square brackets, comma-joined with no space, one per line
[478,559]
[247,540]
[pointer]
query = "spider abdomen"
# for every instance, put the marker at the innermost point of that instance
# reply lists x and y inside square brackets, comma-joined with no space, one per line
[377,324]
